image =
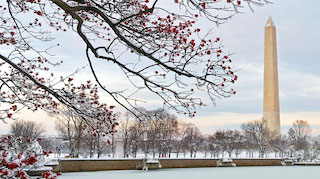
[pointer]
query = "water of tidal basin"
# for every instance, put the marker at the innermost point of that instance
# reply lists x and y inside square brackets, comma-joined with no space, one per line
[273,172]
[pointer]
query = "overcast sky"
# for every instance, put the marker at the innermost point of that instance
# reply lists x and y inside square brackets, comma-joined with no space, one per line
[298,37]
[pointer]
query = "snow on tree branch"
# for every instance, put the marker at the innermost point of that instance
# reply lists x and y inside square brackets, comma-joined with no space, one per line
[170,57]
[20,155]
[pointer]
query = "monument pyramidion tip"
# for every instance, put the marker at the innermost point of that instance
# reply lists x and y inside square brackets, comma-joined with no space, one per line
[270,23]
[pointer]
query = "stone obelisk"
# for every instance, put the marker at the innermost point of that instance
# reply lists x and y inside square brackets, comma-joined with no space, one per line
[271,113]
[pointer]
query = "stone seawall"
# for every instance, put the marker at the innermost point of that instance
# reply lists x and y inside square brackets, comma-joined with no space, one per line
[78,165]
[257,162]
[188,163]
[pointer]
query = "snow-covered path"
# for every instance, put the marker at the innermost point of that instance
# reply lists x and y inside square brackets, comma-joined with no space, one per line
[274,172]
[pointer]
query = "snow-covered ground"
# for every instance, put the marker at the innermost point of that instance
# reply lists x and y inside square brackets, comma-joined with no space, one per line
[274,172]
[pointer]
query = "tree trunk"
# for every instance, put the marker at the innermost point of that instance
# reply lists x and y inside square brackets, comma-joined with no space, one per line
[112,146]
[79,139]
[91,148]
[125,143]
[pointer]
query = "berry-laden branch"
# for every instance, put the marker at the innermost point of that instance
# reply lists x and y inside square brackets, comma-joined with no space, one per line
[18,155]
[163,52]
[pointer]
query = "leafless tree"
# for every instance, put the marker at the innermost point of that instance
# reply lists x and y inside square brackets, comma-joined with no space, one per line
[168,132]
[136,135]
[179,143]
[222,141]
[299,133]
[98,143]
[214,147]
[70,126]
[193,139]
[124,128]
[238,140]
[260,135]
[229,140]
[315,148]
[30,129]
[280,145]
[154,135]
[226,141]
[46,144]
[159,132]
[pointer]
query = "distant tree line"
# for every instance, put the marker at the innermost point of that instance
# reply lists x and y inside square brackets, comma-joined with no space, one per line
[170,137]
[163,135]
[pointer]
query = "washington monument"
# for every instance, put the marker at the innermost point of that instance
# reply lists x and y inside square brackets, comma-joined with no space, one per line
[271,113]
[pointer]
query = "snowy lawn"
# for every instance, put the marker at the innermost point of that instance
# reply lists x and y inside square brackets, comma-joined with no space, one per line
[273,172]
